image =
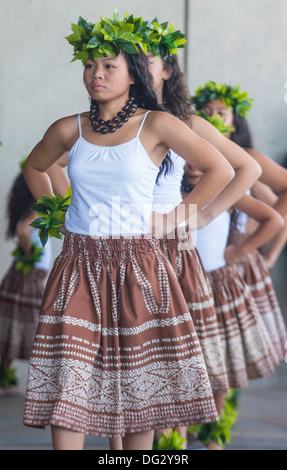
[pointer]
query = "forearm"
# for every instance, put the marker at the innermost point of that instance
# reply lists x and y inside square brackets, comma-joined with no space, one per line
[203,193]
[38,182]
[24,241]
[59,179]
[281,204]
[262,235]
[241,182]
[273,249]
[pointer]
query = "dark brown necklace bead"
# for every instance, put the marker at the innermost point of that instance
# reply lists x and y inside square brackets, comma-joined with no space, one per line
[104,130]
[104,127]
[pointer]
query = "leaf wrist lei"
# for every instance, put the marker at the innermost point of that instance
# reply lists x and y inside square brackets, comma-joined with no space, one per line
[51,215]
[25,263]
[231,97]
[108,37]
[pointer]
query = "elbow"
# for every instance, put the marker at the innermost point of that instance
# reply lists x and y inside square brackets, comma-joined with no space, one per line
[229,173]
[280,222]
[277,223]
[257,170]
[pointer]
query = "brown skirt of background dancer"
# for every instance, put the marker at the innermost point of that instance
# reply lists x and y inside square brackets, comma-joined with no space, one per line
[197,292]
[20,301]
[249,352]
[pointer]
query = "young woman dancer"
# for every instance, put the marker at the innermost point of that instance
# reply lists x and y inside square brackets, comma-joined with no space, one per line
[249,352]
[116,353]
[233,106]
[21,291]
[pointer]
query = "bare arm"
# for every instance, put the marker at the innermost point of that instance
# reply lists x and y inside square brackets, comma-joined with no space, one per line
[57,140]
[247,170]
[58,177]
[270,222]
[274,176]
[23,232]
[273,248]
[175,135]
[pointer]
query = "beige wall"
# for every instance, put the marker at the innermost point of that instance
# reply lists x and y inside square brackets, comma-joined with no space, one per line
[237,41]
[244,41]
[38,84]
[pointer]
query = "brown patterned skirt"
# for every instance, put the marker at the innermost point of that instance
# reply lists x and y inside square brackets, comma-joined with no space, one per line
[255,273]
[197,292]
[249,352]
[20,301]
[115,351]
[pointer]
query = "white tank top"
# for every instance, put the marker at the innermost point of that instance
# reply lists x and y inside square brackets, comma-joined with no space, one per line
[242,219]
[112,188]
[166,194]
[45,262]
[211,242]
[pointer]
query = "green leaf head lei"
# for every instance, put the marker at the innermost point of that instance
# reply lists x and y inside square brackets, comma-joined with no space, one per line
[108,37]
[234,99]
[163,39]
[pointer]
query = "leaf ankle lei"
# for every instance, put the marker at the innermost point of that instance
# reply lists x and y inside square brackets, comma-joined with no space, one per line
[51,215]
[25,263]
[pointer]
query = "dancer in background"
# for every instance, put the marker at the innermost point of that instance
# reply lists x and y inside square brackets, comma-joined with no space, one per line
[171,90]
[125,357]
[22,288]
[249,352]
[233,105]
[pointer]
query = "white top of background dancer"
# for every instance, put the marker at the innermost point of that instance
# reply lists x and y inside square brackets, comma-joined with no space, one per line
[104,180]
[167,194]
[211,242]
[241,219]
[46,260]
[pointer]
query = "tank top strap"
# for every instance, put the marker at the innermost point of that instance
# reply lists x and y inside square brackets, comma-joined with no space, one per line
[142,123]
[79,123]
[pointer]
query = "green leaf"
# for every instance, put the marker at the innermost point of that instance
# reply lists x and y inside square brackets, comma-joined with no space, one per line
[53,232]
[44,237]
[59,215]
[36,223]
[130,48]
[40,208]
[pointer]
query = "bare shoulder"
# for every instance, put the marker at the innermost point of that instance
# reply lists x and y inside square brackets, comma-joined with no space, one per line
[64,130]
[65,124]
[161,120]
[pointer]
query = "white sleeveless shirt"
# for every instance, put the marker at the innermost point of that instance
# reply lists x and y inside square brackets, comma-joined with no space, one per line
[167,194]
[112,188]
[211,242]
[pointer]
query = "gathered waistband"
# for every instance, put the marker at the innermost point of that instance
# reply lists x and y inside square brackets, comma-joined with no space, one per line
[108,247]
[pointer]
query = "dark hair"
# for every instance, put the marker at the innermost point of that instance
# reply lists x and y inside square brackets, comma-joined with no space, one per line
[242,135]
[145,97]
[20,201]
[176,95]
